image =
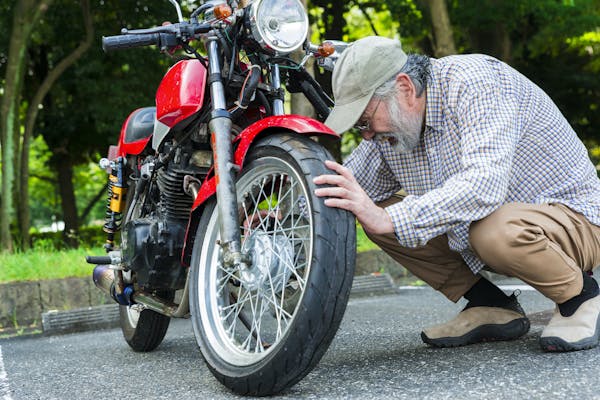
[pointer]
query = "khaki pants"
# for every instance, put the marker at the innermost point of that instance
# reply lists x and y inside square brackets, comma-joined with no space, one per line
[546,246]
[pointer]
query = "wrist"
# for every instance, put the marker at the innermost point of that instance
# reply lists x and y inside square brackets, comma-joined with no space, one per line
[387,222]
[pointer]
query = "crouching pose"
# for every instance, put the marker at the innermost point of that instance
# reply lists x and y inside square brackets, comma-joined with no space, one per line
[495,177]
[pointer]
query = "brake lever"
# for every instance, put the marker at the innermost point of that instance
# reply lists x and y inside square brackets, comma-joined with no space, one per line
[171,28]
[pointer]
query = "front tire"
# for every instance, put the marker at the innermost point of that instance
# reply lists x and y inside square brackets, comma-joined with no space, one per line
[263,328]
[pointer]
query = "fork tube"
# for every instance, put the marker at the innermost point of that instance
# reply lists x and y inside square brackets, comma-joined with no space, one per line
[220,127]
[276,83]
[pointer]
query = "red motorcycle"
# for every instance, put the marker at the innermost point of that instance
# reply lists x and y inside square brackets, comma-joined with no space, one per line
[212,194]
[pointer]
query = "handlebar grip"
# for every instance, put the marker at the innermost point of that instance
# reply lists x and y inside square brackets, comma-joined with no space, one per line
[121,42]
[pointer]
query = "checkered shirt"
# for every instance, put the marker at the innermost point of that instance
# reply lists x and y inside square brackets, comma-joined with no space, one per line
[491,137]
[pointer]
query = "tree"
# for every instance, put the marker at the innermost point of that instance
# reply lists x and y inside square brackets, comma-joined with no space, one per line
[442,30]
[84,110]
[32,112]
[25,16]
[554,43]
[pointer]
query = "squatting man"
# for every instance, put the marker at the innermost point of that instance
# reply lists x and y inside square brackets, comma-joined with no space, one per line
[495,178]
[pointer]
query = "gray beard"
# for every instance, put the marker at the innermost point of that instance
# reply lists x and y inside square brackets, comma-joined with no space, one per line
[407,129]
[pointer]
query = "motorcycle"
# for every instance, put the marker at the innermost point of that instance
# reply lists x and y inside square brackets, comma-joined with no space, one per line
[211,211]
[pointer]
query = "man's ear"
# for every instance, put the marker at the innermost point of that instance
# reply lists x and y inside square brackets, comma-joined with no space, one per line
[406,89]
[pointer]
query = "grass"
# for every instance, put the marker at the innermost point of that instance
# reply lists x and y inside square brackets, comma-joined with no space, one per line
[362,241]
[35,265]
[45,263]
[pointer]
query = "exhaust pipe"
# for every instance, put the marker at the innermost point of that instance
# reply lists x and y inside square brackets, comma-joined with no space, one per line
[104,279]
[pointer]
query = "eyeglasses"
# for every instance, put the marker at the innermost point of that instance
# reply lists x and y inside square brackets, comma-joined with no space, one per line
[366,125]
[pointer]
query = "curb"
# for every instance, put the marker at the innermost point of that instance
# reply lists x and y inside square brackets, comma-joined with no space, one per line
[80,319]
[107,316]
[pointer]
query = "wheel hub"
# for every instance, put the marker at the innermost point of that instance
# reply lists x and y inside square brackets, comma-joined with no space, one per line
[272,260]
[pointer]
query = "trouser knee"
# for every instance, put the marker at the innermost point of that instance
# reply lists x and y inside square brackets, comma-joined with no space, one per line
[494,240]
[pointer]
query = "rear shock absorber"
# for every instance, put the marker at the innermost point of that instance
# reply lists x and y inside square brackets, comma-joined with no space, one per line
[115,203]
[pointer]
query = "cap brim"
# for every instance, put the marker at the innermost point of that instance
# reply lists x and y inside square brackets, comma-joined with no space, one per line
[343,117]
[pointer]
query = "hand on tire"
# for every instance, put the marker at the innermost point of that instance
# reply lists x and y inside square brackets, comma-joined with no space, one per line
[347,194]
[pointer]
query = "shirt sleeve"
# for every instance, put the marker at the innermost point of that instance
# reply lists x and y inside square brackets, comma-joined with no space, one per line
[372,172]
[486,119]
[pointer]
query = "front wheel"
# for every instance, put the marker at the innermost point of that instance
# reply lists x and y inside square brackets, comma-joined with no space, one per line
[264,327]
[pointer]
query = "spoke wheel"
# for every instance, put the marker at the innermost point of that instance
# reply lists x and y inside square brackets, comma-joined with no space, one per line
[263,326]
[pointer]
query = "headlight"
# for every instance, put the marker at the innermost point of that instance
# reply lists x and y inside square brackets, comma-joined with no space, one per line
[279,25]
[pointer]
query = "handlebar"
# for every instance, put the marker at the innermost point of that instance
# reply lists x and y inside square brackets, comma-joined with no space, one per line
[121,42]
[161,36]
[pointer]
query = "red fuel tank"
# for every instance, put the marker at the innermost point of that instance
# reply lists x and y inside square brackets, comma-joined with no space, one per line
[181,92]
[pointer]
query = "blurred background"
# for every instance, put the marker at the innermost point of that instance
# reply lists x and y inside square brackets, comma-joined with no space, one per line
[63,101]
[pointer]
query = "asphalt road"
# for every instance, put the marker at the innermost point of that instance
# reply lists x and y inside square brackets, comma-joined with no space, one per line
[377,353]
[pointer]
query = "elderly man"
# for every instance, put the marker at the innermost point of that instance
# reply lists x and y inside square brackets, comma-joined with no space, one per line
[495,178]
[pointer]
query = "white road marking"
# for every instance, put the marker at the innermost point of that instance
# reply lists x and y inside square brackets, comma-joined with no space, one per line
[522,288]
[4,387]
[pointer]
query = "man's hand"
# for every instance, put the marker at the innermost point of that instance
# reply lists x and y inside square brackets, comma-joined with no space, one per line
[347,194]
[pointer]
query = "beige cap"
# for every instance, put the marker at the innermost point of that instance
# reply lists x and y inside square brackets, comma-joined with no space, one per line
[364,66]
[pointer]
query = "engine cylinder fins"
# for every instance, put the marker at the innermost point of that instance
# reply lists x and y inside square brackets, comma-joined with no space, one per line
[175,203]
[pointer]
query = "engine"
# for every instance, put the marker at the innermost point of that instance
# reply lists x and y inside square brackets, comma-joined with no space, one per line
[152,242]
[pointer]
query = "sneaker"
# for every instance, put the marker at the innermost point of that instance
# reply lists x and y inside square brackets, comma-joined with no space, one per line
[580,331]
[479,324]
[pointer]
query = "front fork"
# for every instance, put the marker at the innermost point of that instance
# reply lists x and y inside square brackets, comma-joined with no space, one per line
[225,169]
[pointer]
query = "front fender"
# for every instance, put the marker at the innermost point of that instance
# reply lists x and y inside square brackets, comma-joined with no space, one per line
[243,142]
[295,123]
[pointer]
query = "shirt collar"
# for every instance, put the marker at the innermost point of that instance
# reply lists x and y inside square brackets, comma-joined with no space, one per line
[433,104]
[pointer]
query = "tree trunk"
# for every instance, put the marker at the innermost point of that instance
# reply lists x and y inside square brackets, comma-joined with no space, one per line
[443,37]
[32,112]
[25,15]
[493,40]
[67,196]
[504,43]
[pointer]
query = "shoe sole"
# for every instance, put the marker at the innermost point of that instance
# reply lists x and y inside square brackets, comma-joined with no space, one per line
[554,344]
[484,333]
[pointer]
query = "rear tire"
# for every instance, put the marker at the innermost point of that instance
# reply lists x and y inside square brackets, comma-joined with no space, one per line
[261,330]
[143,331]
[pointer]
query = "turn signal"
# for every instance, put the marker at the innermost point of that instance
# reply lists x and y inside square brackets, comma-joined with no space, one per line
[222,11]
[326,49]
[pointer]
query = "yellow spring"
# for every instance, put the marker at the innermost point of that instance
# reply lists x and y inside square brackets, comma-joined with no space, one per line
[117,198]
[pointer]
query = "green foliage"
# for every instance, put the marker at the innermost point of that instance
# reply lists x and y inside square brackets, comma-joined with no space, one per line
[44,202]
[87,237]
[89,103]
[554,43]
[83,113]
[45,264]
[363,243]
[89,180]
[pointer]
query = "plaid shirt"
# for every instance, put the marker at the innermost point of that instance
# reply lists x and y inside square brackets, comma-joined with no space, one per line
[491,137]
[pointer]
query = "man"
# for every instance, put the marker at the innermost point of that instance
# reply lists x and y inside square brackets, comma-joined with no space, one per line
[495,178]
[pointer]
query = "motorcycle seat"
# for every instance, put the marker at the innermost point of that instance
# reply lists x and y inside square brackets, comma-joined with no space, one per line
[140,124]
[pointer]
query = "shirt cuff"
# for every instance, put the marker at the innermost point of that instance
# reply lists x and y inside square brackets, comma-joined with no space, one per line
[403,227]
